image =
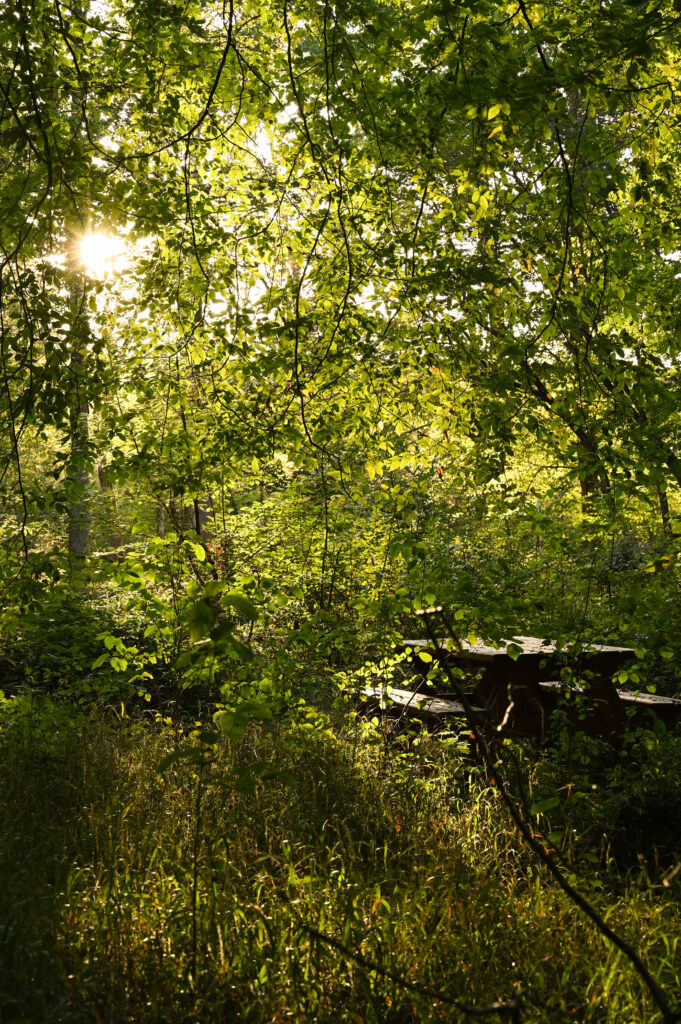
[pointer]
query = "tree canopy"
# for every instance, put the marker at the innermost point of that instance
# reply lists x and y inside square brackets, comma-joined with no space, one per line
[352,232]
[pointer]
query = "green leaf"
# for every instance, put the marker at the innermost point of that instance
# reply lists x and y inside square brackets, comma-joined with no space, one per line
[214,587]
[283,776]
[184,660]
[545,805]
[242,650]
[514,651]
[232,723]
[256,709]
[244,781]
[197,550]
[241,603]
[493,111]
[210,737]
[200,620]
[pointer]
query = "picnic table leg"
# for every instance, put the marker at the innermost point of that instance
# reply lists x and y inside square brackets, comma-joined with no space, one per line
[514,702]
[609,708]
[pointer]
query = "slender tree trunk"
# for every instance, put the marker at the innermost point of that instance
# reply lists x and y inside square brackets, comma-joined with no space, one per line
[160,518]
[588,486]
[109,498]
[207,518]
[79,478]
[665,514]
[189,518]
[78,509]
[199,517]
[593,476]
[175,514]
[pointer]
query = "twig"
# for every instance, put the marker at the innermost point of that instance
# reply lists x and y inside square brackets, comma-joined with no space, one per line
[510,1009]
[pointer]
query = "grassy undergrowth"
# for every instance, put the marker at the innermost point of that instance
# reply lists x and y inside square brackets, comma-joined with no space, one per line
[133,895]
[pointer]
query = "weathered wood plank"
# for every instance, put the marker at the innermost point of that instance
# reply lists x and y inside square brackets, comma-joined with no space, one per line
[417,704]
[668,709]
[532,647]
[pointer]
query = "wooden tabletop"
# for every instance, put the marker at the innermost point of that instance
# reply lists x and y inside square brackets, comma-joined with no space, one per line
[532,649]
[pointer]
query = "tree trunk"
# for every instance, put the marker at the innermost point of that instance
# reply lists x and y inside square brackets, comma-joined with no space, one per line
[588,485]
[593,475]
[188,518]
[665,514]
[109,498]
[207,518]
[160,518]
[199,517]
[79,478]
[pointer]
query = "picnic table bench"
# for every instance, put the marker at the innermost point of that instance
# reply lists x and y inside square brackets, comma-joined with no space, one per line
[435,712]
[516,693]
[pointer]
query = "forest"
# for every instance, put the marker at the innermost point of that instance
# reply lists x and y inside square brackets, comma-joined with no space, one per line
[326,326]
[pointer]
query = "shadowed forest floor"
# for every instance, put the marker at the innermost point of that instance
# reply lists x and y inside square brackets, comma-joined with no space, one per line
[131,894]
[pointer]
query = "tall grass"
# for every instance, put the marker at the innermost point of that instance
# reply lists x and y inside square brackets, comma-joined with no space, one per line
[131,895]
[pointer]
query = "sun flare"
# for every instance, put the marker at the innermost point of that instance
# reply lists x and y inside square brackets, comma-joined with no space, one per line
[101,254]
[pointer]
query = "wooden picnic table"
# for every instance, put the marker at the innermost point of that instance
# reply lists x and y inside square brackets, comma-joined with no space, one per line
[519,691]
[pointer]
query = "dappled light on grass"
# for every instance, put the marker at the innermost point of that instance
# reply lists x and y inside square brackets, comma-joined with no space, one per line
[405,859]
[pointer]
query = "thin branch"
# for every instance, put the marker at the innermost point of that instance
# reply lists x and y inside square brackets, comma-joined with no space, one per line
[510,1009]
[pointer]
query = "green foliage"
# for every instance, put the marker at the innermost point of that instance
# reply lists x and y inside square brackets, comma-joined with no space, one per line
[51,647]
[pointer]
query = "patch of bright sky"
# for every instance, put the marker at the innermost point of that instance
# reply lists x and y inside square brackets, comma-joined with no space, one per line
[286,115]
[263,146]
[102,255]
